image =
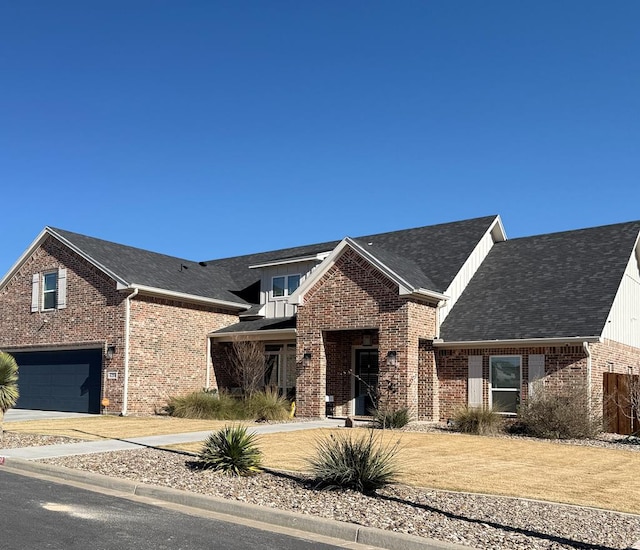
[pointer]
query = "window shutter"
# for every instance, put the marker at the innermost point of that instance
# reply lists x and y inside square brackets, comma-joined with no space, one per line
[474,388]
[35,292]
[62,288]
[536,370]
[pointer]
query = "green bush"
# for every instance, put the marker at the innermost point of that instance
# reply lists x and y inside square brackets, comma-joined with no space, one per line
[231,450]
[391,418]
[349,462]
[566,414]
[267,405]
[478,420]
[205,405]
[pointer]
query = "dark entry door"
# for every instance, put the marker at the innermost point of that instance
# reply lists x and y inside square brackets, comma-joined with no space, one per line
[366,386]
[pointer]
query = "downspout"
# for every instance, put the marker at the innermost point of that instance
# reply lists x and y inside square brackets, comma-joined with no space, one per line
[439,306]
[127,324]
[209,365]
[585,345]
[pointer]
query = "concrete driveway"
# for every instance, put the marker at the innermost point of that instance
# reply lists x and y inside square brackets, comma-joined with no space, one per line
[16,415]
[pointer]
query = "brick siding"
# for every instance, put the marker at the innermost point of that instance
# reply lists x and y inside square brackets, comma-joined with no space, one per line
[351,297]
[168,339]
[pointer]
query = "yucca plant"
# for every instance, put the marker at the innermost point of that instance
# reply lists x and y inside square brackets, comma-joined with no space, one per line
[231,450]
[8,386]
[361,463]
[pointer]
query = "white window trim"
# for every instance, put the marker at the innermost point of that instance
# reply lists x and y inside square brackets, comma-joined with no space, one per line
[286,285]
[44,292]
[492,389]
[38,290]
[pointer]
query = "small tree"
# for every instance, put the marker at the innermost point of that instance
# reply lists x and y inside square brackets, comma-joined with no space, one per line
[247,365]
[8,386]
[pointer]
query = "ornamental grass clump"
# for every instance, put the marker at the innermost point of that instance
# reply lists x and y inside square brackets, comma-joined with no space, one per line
[205,405]
[478,420]
[232,451]
[391,419]
[267,405]
[361,463]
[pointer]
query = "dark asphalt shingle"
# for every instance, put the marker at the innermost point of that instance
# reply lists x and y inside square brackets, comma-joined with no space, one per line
[546,286]
[141,267]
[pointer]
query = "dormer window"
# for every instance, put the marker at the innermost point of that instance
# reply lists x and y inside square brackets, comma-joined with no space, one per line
[284,285]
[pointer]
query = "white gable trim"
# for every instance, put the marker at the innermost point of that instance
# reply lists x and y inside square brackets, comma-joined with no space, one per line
[405,289]
[40,239]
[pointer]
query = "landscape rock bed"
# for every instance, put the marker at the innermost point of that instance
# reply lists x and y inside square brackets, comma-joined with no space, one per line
[475,520]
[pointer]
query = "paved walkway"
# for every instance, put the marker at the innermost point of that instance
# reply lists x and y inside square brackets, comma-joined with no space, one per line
[105,445]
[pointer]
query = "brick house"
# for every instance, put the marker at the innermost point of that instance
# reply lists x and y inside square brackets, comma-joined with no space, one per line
[436,316]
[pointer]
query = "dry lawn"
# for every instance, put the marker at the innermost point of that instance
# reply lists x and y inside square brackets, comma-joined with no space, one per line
[588,476]
[112,427]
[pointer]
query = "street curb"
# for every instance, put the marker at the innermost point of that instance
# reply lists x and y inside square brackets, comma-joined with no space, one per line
[319,526]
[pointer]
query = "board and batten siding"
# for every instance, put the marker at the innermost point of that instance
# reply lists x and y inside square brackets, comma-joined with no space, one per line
[623,324]
[279,307]
[468,270]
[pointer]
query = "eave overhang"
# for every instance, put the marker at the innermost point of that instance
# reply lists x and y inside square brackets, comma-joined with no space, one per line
[517,342]
[190,298]
[262,335]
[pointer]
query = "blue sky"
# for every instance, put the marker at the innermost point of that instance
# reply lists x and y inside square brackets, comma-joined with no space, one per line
[207,129]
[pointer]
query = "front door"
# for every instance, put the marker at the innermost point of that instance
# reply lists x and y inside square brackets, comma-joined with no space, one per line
[366,381]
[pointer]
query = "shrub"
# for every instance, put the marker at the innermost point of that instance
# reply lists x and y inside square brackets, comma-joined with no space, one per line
[559,415]
[267,405]
[231,450]
[350,462]
[391,418]
[478,420]
[205,405]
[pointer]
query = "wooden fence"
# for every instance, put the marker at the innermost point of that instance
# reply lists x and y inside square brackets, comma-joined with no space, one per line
[620,403]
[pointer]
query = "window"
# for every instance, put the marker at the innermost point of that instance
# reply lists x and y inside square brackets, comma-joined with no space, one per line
[280,368]
[505,372]
[284,285]
[49,290]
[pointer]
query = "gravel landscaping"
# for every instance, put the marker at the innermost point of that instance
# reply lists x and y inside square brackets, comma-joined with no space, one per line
[475,520]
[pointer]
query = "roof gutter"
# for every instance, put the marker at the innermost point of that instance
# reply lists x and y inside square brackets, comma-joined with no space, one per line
[275,334]
[162,293]
[517,342]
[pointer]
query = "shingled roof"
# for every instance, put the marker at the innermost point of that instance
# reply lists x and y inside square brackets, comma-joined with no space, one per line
[137,267]
[427,257]
[546,286]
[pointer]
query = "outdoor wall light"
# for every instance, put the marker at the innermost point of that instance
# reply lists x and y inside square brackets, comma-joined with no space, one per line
[109,352]
[306,359]
[392,358]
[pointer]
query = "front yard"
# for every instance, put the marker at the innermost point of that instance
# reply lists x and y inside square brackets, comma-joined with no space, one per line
[558,472]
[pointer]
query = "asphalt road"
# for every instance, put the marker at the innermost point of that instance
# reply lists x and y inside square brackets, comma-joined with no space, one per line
[39,514]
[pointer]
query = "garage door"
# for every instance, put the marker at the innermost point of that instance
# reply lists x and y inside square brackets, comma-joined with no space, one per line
[60,381]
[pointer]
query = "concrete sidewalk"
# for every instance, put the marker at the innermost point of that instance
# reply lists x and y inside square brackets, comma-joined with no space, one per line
[105,445]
